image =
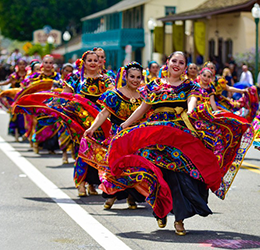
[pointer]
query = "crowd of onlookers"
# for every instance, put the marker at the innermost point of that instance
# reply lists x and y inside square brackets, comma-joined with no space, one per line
[229,71]
[8,62]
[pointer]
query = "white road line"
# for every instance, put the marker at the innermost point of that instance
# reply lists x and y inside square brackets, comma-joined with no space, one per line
[88,223]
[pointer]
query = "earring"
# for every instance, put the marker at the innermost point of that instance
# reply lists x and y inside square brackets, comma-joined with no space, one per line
[183,76]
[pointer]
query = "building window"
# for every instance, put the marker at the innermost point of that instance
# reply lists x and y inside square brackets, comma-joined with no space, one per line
[133,18]
[170,10]
[211,49]
[228,49]
[220,51]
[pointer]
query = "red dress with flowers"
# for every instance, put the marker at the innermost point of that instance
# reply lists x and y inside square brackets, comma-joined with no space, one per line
[191,153]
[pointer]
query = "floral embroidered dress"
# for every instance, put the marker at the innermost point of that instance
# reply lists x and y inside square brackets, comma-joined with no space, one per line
[46,131]
[246,106]
[7,98]
[34,77]
[74,110]
[190,153]
[91,88]
[92,151]
[256,124]
[204,94]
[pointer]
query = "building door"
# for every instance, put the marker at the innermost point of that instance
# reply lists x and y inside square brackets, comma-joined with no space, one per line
[138,55]
[220,53]
[211,49]
[228,50]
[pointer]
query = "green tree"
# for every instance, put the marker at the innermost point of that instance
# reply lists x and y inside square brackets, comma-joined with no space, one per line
[20,18]
[41,50]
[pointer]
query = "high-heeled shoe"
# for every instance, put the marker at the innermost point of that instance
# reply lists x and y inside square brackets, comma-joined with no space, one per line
[162,222]
[181,230]
[131,203]
[16,135]
[92,190]
[109,203]
[82,190]
[35,148]
[65,158]
[24,138]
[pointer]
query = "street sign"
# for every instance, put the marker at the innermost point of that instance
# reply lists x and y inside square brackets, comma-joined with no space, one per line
[39,36]
[47,29]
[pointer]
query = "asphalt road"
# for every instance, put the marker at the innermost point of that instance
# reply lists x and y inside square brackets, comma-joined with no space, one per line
[39,209]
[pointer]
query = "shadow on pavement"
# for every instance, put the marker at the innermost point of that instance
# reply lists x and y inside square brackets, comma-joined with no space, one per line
[143,208]
[68,165]
[217,239]
[251,159]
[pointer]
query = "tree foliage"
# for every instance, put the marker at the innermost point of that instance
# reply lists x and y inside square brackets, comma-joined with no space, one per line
[20,18]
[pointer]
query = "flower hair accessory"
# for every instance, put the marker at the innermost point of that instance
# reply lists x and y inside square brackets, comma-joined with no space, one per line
[80,62]
[120,80]
[133,65]
[206,69]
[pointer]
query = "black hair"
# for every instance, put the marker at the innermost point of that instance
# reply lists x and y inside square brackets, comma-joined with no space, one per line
[180,53]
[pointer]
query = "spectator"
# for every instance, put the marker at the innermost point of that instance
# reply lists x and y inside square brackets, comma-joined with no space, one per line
[246,75]
[228,77]
[233,71]
[258,84]
[15,56]
[27,58]
[36,56]
[199,59]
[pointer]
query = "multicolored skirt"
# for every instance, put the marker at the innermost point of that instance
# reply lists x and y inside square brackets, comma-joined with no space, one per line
[16,120]
[256,125]
[73,110]
[212,153]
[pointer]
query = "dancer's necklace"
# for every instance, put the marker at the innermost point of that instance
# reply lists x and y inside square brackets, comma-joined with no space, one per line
[132,99]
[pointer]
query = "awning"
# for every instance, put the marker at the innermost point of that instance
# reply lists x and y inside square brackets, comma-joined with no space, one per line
[211,7]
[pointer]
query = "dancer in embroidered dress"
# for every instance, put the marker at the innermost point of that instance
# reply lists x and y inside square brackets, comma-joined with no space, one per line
[30,121]
[206,89]
[45,136]
[34,67]
[91,84]
[118,105]
[16,124]
[192,71]
[153,73]
[64,139]
[75,107]
[246,106]
[102,61]
[188,147]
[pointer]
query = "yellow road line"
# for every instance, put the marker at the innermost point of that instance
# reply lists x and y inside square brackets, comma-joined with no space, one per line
[251,167]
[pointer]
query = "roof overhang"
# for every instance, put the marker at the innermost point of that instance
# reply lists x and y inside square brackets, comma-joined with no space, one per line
[121,6]
[199,12]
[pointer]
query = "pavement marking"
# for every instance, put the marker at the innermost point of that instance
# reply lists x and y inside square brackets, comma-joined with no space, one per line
[251,167]
[87,222]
